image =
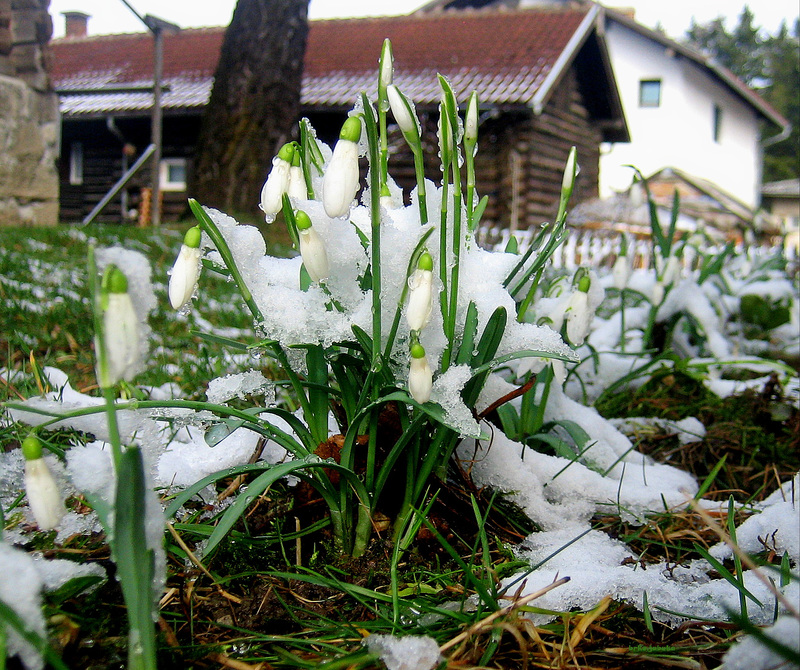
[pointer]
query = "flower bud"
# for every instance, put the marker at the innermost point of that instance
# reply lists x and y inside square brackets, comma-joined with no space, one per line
[386,64]
[121,331]
[186,270]
[471,122]
[578,317]
[340,184]
[570,172]
[312,248]
[278,181]
[297,180]
[44,497]
[420,297]
[672,271]
[420,377]
[621,272]
[402,112]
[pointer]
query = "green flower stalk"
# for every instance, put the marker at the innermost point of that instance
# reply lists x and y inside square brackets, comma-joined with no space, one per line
[340,183]
[121,337]
[312,248]
[420,297]
[44,496]
[278,181]
[420,376]
[186,270]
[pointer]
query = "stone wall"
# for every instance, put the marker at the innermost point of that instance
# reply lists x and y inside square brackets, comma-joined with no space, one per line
[29,117]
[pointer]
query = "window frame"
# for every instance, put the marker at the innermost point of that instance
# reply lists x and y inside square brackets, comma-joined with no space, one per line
[165,183]
[645,102]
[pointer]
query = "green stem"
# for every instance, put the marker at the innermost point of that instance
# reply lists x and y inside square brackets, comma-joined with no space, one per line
[375,219]
[419,170]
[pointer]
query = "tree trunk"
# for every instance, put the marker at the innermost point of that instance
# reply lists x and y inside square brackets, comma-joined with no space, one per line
[254,104]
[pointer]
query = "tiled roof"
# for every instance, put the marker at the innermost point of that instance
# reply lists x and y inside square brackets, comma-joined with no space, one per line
[504,55]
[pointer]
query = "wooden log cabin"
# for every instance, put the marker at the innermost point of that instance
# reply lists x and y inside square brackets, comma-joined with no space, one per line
[542,75]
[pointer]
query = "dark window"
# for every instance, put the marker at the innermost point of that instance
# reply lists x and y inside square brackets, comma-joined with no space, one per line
[717,122]
[650,93]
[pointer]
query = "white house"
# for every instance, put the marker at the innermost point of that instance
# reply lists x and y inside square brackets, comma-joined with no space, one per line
[683,111]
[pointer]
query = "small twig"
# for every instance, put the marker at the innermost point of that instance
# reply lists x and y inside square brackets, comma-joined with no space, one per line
[516,393]
[202,567]
[503,611]
[227,662]
[744,558]
[233,487]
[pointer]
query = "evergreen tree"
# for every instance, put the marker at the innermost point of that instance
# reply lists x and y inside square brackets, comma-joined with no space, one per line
[768,63]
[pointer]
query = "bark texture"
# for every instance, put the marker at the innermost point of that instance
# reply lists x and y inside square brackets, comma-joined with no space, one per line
[254,104]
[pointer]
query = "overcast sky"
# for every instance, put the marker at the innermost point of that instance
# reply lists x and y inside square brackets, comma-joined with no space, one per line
[112,16]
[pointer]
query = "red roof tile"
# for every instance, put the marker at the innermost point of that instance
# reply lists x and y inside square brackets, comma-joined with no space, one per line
[505,55]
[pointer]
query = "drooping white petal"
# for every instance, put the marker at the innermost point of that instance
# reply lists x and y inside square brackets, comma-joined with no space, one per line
[44,497]
[297,184]
[621,272]
[420,379]
[315,258]
[276,185]
[340,183]
[420,299]
[183,277]
[579,317]
[122,337]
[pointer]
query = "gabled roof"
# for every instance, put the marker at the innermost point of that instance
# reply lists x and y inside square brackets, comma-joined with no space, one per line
[708,64]
[512,58]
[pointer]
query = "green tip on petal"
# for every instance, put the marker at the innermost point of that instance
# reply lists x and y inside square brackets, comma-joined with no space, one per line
[32,448]
[351,130]
[417,350]
[114,280]
[287,152]
[192,237]
[425,262]
[584,283]
[302,220]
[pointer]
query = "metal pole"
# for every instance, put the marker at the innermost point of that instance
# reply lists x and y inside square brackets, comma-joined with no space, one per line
[158,69]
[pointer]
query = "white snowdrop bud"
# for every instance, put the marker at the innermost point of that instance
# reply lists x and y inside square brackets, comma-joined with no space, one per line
[579,316]
[420,377]
[386,64]
[121,331]
[340,184]
[278,181]
[570,171]
[44,497]
[297,180]
[420,296]
[402,112]
[312,248]
[672,271]
[471,121]
[621,272]
[658,293]
[186,270]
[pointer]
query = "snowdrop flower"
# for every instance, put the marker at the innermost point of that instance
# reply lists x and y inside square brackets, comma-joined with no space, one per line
[658,293]
[312,248]
[420,377]
[420,297]
[121,332]
[471,123]
[622,267]
[386,64]
[184,274]
[403,114]
[579,315]
[297,180]
[672,271]
[44,497]
[340,183]
[278,181]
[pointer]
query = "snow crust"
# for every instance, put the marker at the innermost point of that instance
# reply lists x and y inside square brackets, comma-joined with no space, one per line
[413,652]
